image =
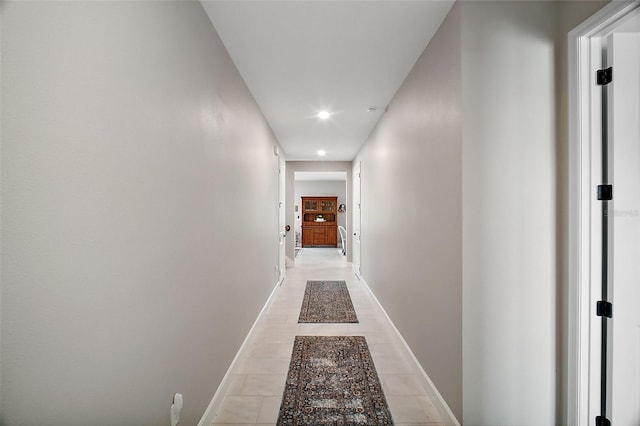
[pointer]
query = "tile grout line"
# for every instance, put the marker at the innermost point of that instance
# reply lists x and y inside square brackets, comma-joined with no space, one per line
[374,325]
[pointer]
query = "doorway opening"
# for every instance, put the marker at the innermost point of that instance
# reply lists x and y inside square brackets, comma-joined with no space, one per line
[324,231]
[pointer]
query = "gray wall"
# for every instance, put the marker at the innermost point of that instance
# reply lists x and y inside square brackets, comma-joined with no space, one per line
[136,173]
[470,163]
[319,188]
[509,209]
[514,177]
[411,211]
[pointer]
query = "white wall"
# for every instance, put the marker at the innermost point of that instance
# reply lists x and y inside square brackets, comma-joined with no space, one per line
[137,170]
[411,229]
[305,188]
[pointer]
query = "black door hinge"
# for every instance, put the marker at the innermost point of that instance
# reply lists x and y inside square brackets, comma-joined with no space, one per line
[602,421]
[604,77]
[604,309]
[605,192]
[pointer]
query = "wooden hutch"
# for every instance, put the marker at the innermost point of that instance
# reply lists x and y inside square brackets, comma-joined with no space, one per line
[320,221]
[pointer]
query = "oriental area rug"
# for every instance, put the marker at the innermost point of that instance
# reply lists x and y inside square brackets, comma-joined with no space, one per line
[327,302]
[332,381]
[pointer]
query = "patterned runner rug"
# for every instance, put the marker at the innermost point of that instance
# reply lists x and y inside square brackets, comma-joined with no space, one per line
[332,381]
[327,301]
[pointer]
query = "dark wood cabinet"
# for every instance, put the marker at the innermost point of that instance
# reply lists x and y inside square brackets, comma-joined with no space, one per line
[319,221]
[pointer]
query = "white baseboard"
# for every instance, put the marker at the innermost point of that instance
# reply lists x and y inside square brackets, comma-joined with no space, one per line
[356,271]
[211,411]
[446,415]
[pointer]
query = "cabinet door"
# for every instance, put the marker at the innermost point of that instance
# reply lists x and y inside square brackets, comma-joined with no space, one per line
[311,205]
[307,236]
[332,236]
[328,205]
[319,236]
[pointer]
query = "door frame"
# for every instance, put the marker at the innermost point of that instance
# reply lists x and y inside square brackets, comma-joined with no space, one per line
[584,157]
[357,210]
[314,166]
[282,234]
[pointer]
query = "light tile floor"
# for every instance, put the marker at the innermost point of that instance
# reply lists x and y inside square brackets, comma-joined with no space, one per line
[256,385]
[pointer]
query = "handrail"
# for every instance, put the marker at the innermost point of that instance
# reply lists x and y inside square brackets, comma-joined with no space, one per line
[343,238]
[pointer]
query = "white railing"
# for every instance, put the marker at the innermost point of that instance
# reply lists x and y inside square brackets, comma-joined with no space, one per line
[343,238]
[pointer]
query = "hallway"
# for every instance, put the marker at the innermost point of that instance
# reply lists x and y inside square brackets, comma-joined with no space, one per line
[142,195]
[256,383]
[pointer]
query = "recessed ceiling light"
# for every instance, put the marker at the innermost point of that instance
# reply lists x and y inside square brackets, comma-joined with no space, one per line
[323,115]
[322,152]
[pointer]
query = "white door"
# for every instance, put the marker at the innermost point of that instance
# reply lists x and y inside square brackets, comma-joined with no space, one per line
[357,212]
[281,219]
[623,54]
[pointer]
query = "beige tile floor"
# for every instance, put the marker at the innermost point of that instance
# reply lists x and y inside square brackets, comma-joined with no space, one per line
[257,383]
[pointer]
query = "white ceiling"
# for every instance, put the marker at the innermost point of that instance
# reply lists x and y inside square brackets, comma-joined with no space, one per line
[300,57]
